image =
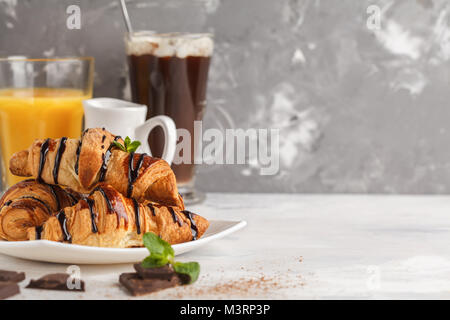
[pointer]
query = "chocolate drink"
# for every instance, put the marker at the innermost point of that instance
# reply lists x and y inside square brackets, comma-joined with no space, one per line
[169,74]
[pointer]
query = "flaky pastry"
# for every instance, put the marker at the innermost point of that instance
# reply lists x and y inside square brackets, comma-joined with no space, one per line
[108,219]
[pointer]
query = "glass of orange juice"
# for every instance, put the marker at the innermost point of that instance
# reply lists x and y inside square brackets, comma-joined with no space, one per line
[39,99]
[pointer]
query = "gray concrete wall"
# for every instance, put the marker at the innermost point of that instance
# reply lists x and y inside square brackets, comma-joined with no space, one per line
[359,110]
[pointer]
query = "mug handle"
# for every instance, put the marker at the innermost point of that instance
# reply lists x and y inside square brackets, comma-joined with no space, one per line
[170,135]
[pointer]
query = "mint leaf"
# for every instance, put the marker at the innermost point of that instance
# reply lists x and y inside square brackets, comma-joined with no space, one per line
[161,254]
[158,246]
[119,145]
[127,141]
[132,147]
[128,145]
[154,261]
[190,269]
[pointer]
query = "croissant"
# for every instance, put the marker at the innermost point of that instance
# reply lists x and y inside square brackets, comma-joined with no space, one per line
[108,219]
[30,203]
[81,164]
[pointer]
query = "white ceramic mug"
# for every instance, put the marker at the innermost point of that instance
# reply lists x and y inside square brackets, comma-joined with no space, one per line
[125,118]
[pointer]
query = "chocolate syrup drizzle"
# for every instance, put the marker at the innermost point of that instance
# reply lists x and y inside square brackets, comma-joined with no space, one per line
[7,203]
[39,232]
[59,153]
[61,216]
[49,211]
[73,199]
[137,215]
[108,202]
[112,208]
[152,209]
[105,159]
[90,204]
[175,217]
[194,229]
[55,195]
[43,155]
[77,162]
[133,171]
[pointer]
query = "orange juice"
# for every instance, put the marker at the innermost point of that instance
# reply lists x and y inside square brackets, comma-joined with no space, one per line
[37,113]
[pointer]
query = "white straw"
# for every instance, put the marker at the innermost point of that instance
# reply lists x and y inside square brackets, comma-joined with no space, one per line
[126,17]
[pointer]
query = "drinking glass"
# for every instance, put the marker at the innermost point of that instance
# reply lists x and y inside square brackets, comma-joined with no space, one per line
[169,74]
[39,99]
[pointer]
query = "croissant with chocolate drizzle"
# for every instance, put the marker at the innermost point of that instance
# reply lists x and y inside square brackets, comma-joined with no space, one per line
[29,204]
[82,164]
[108,219]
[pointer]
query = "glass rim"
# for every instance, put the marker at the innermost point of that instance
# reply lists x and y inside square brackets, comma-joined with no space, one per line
[168,35]
[56,59]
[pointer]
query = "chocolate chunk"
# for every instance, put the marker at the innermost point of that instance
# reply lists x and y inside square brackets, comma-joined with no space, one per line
[138,286]
[8,289]
[184,278]
[166,272]
[162,273]
[11,276]
[56,281]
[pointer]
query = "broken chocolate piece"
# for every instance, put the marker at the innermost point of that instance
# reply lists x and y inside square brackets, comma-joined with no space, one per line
[11,276]
[163,273]
[56,281]
[138,286]
[184,278]
[166,272]
[8,289]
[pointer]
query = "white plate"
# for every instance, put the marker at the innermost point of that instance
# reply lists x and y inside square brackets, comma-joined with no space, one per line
[50,251]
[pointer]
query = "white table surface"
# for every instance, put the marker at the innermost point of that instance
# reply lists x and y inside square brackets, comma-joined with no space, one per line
[299,247]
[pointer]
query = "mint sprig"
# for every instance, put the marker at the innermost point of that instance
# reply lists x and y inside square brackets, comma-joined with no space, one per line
[128,146]
[161,253]
[191,269]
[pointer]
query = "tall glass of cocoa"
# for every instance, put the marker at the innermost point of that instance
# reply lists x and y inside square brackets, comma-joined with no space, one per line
[169,73]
